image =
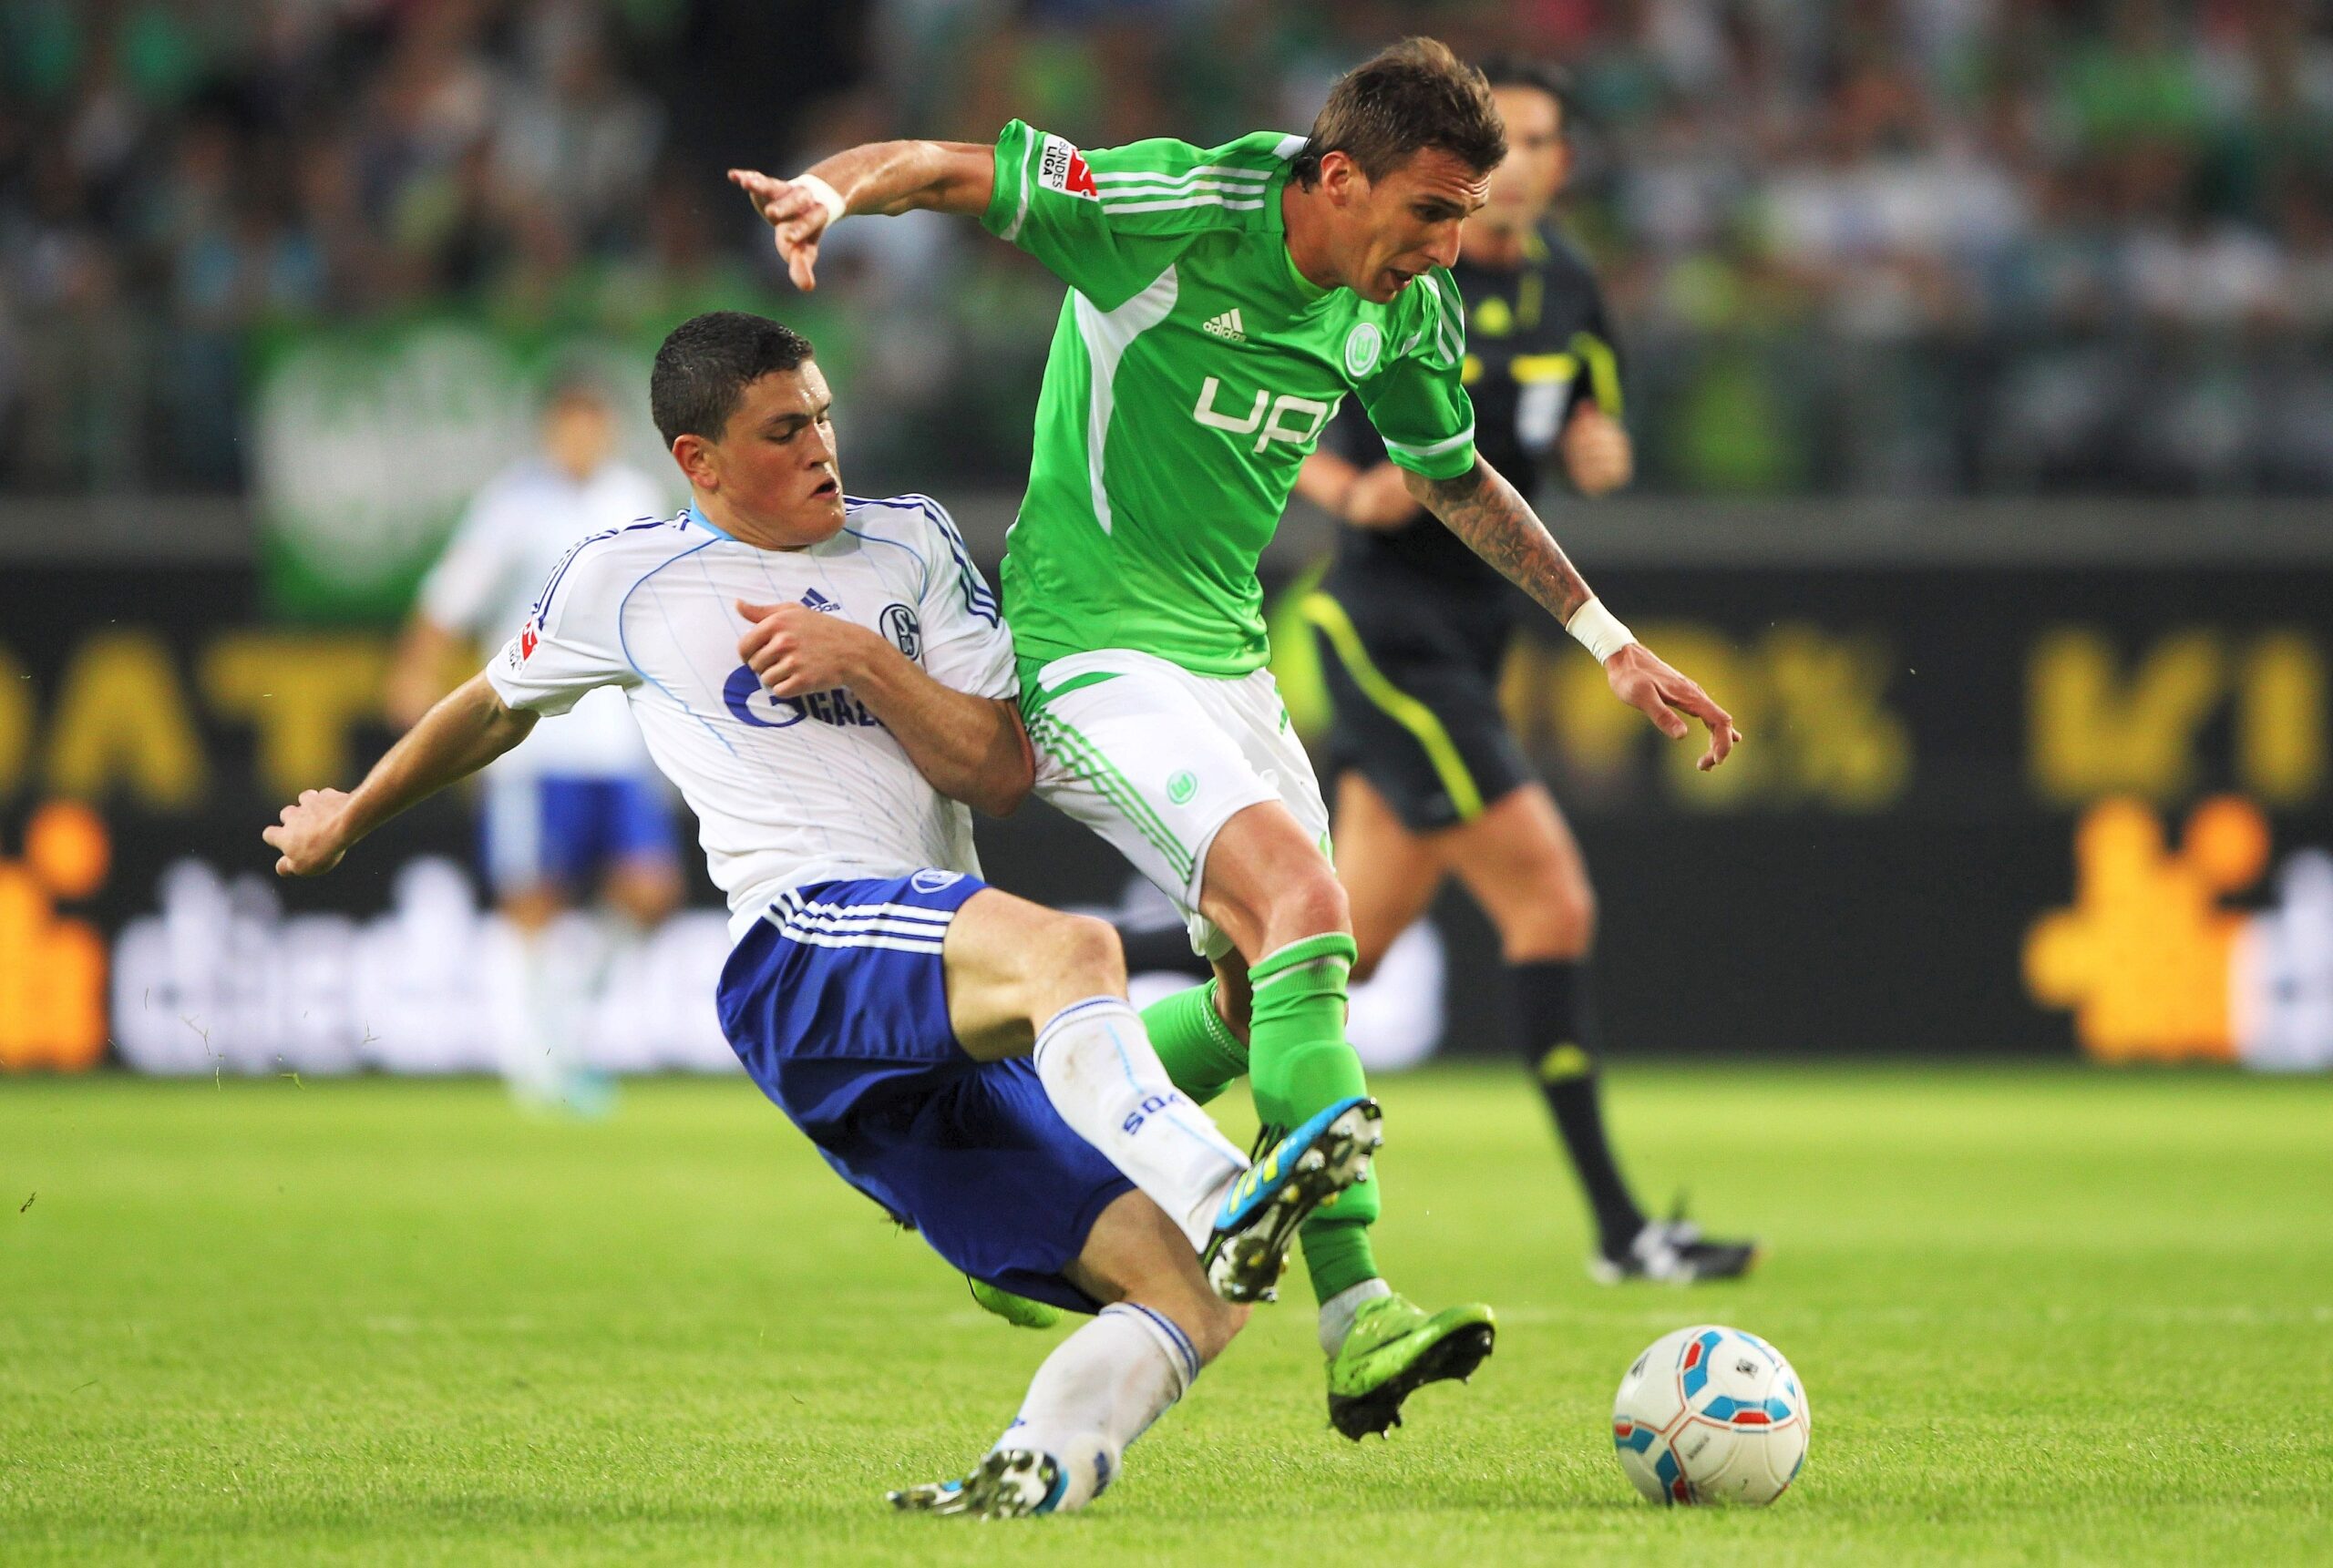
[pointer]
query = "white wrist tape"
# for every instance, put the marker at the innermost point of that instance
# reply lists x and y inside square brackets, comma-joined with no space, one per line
[827,195]
[1599,630]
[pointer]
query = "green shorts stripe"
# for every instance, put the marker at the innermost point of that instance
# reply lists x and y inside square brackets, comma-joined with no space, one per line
[1085,759]
[1088,760]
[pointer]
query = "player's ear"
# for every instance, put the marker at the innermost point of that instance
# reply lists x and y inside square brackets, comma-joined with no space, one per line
[1339,175]
[696,455]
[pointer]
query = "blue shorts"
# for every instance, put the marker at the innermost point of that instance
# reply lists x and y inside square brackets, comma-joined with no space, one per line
[836,1003]
[564,828]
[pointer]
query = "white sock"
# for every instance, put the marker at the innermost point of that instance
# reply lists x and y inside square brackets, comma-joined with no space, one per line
[1337,1312]
[1097,1063]
[1098,1391]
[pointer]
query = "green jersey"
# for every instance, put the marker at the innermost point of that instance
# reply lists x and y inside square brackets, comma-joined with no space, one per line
[1192,370]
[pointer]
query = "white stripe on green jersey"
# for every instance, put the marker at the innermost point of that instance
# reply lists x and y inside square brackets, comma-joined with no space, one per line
[1165,453]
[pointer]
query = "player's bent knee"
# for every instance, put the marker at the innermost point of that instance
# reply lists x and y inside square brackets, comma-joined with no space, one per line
[1567,917]
[1556,921]
[1576,908]
[1312,905]
[1081,949]
[1561,925]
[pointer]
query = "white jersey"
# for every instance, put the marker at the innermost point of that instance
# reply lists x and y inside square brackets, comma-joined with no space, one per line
[789,790]
[515,532]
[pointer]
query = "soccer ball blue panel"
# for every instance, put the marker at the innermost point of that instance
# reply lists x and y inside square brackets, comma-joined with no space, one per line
[1711,1415]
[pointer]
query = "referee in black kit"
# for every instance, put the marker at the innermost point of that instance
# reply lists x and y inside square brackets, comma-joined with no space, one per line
[1412,629]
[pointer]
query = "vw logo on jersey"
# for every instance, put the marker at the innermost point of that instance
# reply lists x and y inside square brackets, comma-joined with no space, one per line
[929,881]
[750,703]
[1362,345]
[904,630]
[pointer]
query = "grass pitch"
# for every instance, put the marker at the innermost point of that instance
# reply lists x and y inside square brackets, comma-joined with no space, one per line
[2043,1315]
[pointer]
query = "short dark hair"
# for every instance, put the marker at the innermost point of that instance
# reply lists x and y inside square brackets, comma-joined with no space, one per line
[706,362]
[1413,96]
[1505,69]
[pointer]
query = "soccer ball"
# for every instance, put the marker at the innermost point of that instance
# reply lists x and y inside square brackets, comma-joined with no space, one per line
[1711,1415]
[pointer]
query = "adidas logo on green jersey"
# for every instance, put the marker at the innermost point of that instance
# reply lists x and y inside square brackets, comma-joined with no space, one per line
[1227,327]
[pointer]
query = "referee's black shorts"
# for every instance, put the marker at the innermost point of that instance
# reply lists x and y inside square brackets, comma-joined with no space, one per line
[1414,683]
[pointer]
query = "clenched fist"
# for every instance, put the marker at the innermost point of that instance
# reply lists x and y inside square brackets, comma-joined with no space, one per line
[793,649]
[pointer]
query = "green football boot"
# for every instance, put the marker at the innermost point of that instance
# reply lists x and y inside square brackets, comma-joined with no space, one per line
[1017,1310]
[1393,1350]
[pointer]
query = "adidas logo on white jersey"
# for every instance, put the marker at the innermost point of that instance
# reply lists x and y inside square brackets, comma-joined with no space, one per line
[1227,327]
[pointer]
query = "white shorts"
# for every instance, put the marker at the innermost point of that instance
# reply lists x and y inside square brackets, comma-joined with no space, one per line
[1156,760]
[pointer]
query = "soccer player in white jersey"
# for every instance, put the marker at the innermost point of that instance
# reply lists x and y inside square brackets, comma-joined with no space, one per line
[580,802]
[827,682]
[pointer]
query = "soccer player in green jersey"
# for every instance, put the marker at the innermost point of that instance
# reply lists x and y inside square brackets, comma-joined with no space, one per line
[1413,631]
[1223,300]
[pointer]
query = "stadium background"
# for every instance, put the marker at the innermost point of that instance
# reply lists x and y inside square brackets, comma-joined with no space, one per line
[1981,360]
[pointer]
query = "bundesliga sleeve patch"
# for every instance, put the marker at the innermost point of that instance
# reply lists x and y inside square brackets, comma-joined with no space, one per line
[1062,167]
[524,648]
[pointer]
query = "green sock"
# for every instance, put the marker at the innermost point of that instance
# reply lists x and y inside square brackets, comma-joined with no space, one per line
[1298,1064]
[1200,1054]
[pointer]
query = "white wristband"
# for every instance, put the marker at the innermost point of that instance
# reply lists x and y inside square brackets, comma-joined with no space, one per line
[1599,630]
[827,195]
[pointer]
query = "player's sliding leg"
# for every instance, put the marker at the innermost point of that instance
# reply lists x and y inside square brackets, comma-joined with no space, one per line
[851,1005]
[1209,1057]
[1024,979]
[1271,891]
[1522,865]
[1105,1385]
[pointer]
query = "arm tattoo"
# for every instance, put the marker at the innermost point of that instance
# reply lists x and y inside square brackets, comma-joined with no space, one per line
[1498,525]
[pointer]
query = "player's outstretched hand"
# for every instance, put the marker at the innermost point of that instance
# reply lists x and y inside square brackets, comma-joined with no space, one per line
[793,649]
[310,837]
[796,215]
[1641,680]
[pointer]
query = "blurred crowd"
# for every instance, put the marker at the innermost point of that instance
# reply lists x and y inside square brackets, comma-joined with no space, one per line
[1875,246]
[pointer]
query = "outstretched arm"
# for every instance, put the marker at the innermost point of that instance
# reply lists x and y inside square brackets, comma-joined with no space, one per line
[882,177]
[1498,525]
[467,729]
[968,748]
